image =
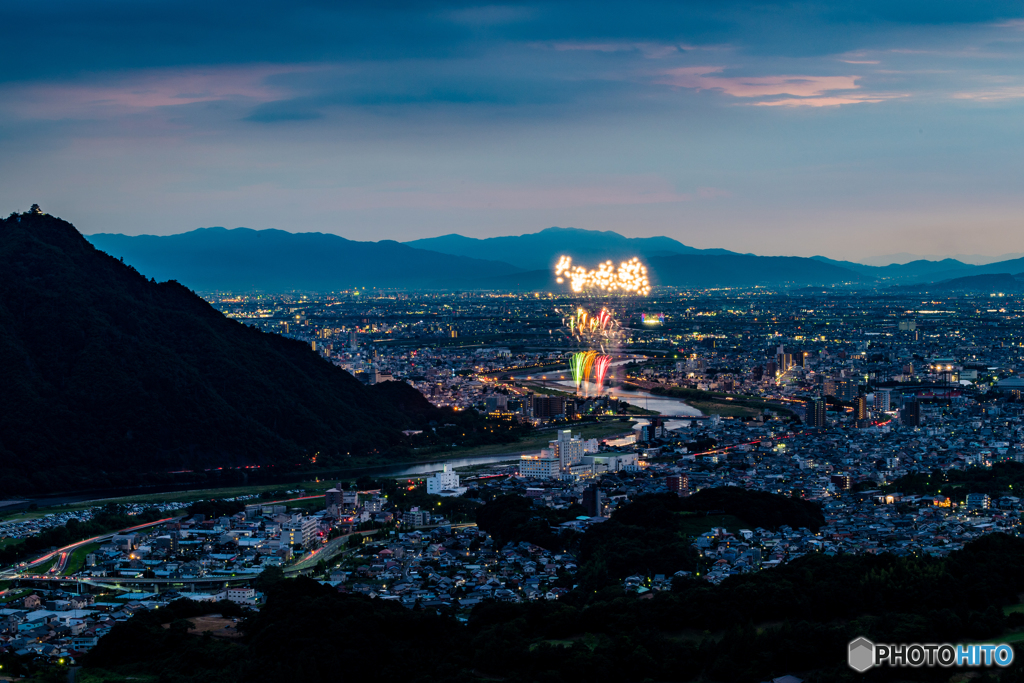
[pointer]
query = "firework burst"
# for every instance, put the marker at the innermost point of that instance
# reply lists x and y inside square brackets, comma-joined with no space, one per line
[601,365]
[576,365]
[596,330]
[630,277]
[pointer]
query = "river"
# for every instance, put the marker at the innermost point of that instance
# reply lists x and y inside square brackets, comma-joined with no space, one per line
[641,399]
[402,470]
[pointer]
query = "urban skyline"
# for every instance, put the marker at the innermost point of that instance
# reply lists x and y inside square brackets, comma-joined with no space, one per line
[568,342]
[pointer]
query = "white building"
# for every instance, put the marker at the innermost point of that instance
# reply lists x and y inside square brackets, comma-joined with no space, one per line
[543,466]
[568,449]
[445,483]
[242,596]
[299,530]
[612,462]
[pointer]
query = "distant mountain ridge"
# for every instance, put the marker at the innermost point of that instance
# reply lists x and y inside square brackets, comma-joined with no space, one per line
[274,260]
[970,259]
[540,250]
[241,259]
[913,269]
[982,283]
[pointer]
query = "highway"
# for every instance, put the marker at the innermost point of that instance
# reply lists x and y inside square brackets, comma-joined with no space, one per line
[64,554]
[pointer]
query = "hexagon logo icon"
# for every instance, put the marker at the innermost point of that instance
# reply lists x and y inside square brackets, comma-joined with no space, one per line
[861,655]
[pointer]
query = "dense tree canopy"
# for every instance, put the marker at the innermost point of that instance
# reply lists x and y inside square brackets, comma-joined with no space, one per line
[113,379]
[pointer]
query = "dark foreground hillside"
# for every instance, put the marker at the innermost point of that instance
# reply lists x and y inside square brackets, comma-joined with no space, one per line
[796,619]
[110,378]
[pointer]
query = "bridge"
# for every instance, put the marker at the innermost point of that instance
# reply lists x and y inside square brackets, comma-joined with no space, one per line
[659,416]
[129,583]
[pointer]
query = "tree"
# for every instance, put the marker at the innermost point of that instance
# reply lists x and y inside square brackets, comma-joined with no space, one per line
[268,578]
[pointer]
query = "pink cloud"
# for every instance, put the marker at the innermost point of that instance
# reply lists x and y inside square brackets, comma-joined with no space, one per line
[820,101]
[139,91]
[1012,92]
[700,78]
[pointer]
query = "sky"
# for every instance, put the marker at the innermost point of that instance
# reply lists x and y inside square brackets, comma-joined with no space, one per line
[851,129]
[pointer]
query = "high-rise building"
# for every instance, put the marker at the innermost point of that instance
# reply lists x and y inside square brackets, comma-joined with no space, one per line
[333,497]
[496,402]
[883,400]
[783,360]
[543,466]
[543,406]
[678,484]
[593,501]
[860,408]
[653,430]
[842,482]
[816,418]
[847,389]
[911,414]
[568,449]
[299,530]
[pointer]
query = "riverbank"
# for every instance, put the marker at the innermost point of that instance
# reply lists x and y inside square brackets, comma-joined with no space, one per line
[720,403]
[318,483]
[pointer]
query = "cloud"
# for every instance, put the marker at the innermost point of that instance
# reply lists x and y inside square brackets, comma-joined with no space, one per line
[649,50]
[1010,92]
[142,90]
[703,78]
[824,101]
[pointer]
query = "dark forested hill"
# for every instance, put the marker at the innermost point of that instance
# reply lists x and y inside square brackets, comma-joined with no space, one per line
[110,378]
[757,508]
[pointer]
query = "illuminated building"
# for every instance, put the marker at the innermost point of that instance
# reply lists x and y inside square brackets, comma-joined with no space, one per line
[816,413]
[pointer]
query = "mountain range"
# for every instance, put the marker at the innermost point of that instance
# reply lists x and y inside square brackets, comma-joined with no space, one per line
[113,379]
[904,257]
[275,260]
[539,250]
[210,259]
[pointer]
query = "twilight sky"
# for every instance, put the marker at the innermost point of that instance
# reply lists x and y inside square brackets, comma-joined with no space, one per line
[849,129]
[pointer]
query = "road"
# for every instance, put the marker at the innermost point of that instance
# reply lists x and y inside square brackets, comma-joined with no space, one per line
[64,554]
[326,552]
